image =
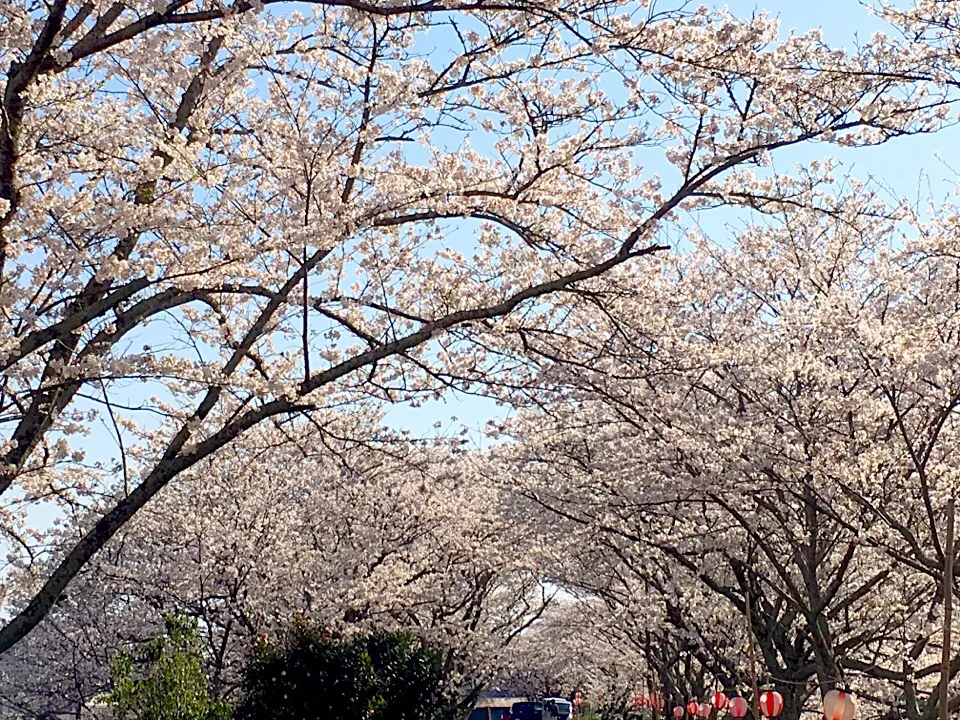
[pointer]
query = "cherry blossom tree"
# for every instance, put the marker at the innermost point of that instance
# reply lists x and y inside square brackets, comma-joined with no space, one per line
[773,422]
[214,214]
[370,534]
[570,650]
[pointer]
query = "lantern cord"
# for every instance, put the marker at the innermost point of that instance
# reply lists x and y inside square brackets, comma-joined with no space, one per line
[798,682]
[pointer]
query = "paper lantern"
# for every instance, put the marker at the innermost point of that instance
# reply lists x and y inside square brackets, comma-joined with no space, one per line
[839,705]
[692,708]
[637,700]
[771,703]
[678,712]
[704,710]
[719,700]
[738,708]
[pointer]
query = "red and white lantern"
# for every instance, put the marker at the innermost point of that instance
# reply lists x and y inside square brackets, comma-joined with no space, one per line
[719,700]
[771,703]
[704,710]
[738,708]
[678,712]
[637,700]
[660,703]
[839,705]
[692,708]
[578,699]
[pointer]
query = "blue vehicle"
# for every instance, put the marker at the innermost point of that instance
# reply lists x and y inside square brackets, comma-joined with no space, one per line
[552,708]
[527,711]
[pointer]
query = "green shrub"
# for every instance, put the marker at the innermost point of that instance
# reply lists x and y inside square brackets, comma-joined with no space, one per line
[163,679]
[311,675]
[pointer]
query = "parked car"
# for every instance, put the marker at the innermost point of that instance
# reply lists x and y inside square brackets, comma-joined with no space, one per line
[491,707]
[526,711]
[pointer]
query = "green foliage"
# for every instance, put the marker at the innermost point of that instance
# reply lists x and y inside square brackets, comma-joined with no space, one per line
[164,680]
[312,675]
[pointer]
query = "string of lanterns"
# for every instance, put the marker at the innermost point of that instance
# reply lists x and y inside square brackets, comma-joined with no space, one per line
[837,705]
[771,705]
[653,701]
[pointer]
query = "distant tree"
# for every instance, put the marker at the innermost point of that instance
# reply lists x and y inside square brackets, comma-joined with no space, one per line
[312,674]
[164,680]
